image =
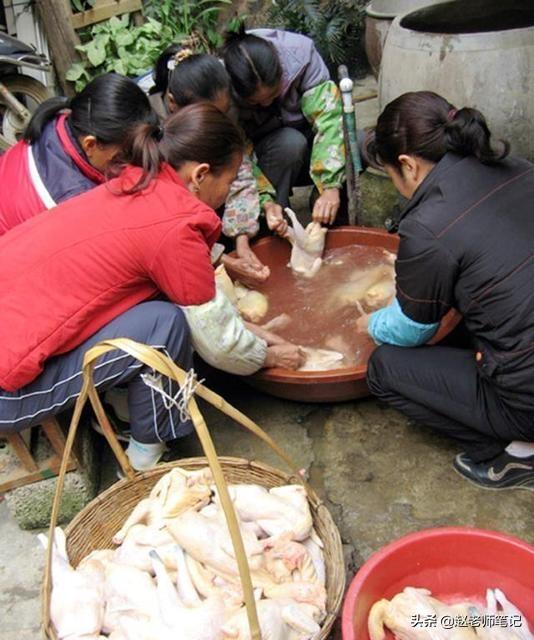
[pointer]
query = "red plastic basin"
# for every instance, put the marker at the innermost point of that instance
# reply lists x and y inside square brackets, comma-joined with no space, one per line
[452,562]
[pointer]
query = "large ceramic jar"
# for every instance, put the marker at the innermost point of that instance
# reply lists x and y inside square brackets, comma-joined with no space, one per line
[477,54]
[379,15]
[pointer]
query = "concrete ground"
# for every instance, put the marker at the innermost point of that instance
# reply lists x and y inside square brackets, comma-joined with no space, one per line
[381,476]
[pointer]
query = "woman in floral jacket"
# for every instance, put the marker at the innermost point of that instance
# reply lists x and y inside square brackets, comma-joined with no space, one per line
[292,112]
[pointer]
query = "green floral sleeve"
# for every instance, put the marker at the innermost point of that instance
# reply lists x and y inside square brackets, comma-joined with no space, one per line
[323,109]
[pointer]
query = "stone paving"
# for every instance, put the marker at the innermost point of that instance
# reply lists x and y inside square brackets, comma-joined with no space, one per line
[381,477]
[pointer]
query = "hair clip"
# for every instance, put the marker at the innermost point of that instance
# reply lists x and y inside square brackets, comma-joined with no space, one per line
[182,55]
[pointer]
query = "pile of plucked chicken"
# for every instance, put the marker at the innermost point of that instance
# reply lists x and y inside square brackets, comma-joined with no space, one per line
[173,572]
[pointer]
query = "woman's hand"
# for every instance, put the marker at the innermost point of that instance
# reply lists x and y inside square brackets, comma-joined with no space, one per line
[274,216]
[286,356]
[246,272]
[244,251]
[326,206]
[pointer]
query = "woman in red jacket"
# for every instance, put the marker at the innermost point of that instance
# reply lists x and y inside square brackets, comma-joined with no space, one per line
[90,269]
[68,147]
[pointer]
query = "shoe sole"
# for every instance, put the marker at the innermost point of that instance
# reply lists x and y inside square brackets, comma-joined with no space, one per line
[120,436]
[494,488]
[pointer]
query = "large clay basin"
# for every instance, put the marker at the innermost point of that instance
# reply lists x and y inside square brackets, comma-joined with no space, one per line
[341,384]
[476,54]
[378,18]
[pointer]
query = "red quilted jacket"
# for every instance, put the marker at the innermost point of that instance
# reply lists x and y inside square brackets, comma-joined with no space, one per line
[65,275]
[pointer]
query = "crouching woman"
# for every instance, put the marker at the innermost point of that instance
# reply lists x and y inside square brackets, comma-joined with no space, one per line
[115,262]
[466,242]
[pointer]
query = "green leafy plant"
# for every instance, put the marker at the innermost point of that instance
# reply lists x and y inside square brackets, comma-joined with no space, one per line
[191,18]
[336,27]
[82,5]
[116,45]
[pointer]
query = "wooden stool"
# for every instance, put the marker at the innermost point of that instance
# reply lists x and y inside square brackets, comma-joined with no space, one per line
[29,470]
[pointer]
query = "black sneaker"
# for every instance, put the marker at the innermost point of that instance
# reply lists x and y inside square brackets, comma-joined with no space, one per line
[502,472]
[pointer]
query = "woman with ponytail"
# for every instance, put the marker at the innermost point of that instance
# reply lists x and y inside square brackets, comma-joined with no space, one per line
[69,147]
[466,242]
[115,262]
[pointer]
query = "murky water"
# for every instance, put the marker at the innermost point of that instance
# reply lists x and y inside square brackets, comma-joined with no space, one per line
[320,314]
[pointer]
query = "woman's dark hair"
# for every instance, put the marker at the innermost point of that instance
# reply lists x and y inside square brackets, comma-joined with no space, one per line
[199,133]
[199,78]
[250,61]
[107,108]
[424,124]
[161,69]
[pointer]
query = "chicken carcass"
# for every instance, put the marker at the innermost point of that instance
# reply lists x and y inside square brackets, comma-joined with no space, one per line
[307,246]
[399,613]
[129,592]
[314,546]
[312,593]
[274,513]
[286,560]
[279,620]
[320,359]
[203,622]
[373,287]
[513,631]
[77,601]
[207,540]
[139,540]
[175,492]
[252,305]
[278,323]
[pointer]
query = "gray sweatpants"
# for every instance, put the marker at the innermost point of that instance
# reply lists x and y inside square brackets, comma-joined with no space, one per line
[159,324]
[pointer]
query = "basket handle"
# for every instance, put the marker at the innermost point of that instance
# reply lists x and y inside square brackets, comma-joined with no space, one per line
[164,365]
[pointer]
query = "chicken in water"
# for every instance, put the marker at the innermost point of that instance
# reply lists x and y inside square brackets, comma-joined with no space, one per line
[414,614]
[307,246]
[173,572]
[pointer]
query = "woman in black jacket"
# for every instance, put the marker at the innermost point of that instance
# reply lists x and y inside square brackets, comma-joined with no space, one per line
[466,242]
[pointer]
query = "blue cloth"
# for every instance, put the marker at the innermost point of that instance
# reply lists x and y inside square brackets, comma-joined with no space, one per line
[391,325]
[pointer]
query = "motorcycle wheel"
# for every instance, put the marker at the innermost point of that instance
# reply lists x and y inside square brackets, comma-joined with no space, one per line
[31,93]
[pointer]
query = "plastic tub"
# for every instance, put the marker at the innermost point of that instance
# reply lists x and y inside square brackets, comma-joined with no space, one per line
[340,384]
[452,562]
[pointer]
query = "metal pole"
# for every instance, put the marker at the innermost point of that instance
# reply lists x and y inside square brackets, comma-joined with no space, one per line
[354,165]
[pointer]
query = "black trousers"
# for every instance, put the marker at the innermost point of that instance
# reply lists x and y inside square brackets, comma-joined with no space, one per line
[440,387]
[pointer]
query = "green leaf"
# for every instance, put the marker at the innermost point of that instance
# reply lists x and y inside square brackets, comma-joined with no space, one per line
[96,52]
[119,67]
[124,38]
[75,72]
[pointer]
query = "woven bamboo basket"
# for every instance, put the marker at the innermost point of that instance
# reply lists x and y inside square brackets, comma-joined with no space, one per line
[94,527]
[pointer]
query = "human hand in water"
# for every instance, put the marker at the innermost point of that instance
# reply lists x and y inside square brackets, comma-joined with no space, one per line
[326,206]
[244,251]
[275,218]
[248,273]
[286,356]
